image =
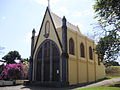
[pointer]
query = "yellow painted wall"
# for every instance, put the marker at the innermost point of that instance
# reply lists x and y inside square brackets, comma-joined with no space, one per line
[100,70]
[72,71]
[91,71]
[82,70]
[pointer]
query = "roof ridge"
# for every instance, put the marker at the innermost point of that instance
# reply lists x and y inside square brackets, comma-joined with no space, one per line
[57,19]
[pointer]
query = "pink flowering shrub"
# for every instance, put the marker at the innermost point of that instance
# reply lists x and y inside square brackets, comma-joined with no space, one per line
[14,71]
[1,68]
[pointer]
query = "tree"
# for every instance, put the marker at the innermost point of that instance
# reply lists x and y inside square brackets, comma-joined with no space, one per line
[108,15]
[108,47]
[25,61]
[11,56]
[111,63]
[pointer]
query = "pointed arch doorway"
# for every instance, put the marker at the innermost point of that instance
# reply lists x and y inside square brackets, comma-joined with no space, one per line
[48,62]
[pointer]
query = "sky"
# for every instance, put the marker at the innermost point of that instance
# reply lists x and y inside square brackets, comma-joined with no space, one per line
[19,17]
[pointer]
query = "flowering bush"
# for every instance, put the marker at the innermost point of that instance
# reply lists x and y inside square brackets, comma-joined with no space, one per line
[15,71]
[1,68]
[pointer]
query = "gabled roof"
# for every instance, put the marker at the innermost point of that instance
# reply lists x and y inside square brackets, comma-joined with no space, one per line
[47,10]
[58,22]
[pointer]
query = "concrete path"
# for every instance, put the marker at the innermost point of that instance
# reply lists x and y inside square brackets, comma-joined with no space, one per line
[102,83]
[21,87]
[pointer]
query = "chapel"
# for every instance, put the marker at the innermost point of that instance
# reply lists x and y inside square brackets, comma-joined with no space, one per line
[62,55]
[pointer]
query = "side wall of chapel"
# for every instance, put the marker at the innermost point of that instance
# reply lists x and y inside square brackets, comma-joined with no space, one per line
[82,70]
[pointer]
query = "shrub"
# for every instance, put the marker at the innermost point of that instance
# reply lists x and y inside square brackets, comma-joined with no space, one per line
[2,67]
[113,71]
[14,71]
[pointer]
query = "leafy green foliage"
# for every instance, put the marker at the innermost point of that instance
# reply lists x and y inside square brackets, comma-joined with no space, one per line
[11,56]
[26,61]
[113,71]
[108,11]
[108,47]
[108,15]
[111,63]
[2,67]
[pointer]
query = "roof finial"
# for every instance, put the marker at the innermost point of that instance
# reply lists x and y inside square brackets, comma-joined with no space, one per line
[49,4]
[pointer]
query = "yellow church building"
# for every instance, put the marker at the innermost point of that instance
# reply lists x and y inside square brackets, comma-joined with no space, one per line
[62,55]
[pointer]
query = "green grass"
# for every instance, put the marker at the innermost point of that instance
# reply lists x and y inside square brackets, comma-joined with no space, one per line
[88,83]
[112,77]
[100,88]
[116,66]
[113,86]
[99,80]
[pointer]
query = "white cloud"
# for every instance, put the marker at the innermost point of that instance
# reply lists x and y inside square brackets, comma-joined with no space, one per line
[118,59]
[118,33]
[42,2]
[42,13]
[63,11]
[3,17]
[77,14]
[28,37]
[45,2]
[88,12]
[83,1]
[84,13]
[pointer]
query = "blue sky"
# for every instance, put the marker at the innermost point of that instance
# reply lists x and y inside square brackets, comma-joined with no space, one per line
[19,17]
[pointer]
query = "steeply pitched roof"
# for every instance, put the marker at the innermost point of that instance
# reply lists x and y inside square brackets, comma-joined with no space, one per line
[58,22]
[37,38]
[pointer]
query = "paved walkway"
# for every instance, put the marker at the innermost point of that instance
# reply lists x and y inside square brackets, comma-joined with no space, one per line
[102,83]
[21,87]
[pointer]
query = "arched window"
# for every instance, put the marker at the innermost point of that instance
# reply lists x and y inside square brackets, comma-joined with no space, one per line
[82,50]
[90,53]
[71,46]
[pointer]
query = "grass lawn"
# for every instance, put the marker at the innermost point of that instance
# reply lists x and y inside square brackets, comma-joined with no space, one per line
[113,86]
[100,88]
[116,66]
[112,77]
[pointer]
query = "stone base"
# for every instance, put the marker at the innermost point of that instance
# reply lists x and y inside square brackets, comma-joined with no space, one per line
[46,84]
[10,83]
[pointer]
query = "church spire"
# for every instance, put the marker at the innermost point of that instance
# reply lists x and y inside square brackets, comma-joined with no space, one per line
[49,4]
